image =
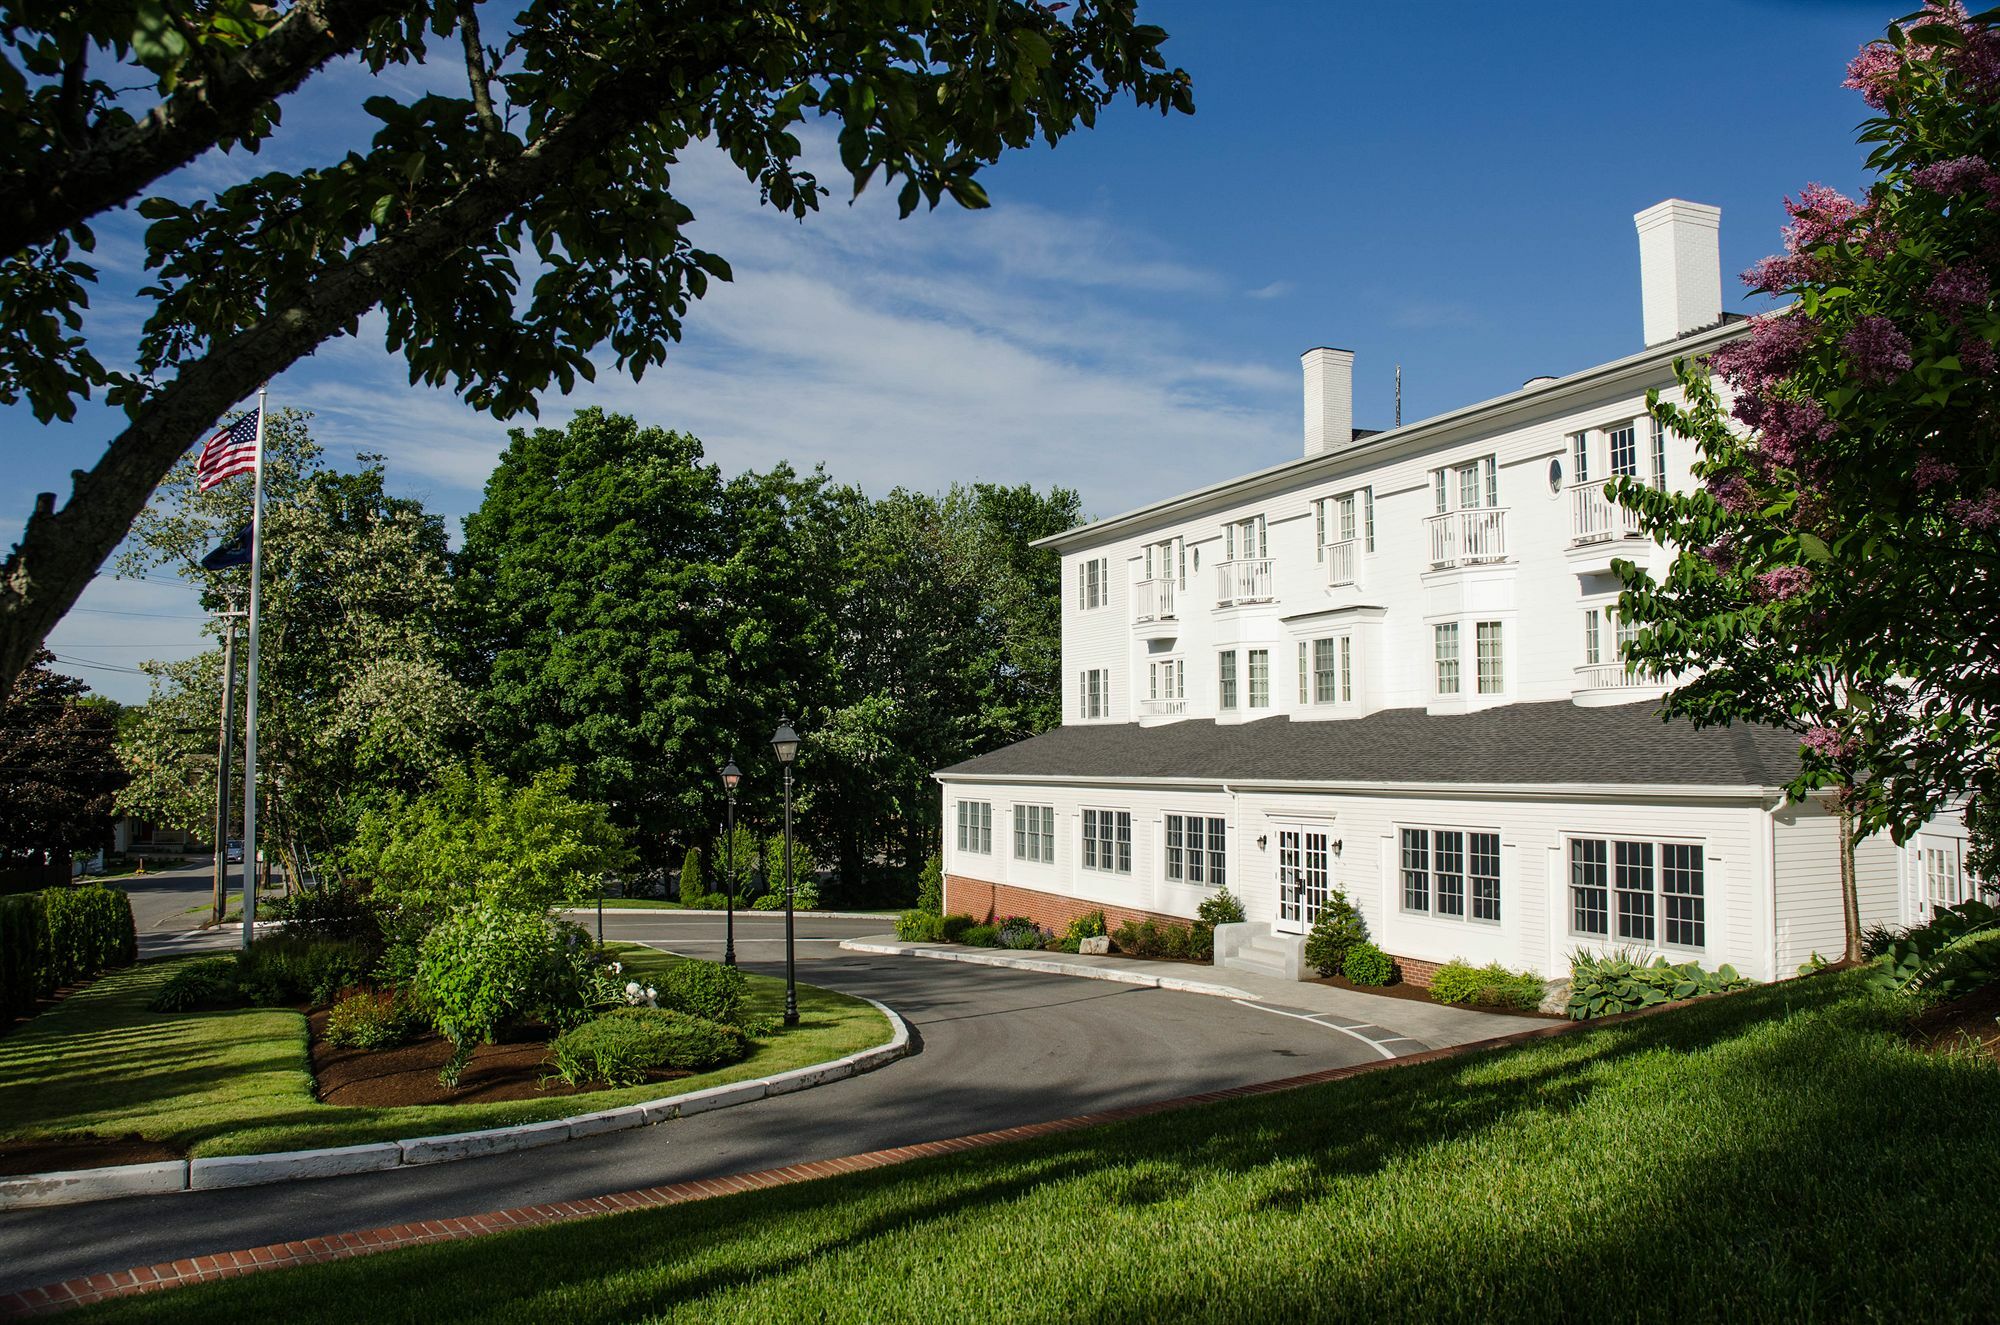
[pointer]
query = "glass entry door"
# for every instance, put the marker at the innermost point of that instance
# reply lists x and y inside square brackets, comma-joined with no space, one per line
[1305,872]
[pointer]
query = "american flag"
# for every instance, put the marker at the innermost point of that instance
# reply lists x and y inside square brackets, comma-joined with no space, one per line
[230,452]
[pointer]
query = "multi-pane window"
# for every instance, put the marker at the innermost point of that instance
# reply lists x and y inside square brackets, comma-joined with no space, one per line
[1444,869]
[1579,457]
[975,827]
[1476,483]
[1639,892]
[1260,678]
[1095,692]
[1368,518]
[1093,583]
[1486,645]
[1035,833]
[1107,840]
[1166,679]
[1346,670]
[1444,648]
[1659,456]
[1345,506]
[1593,648]
[1605,635]
[1167,560]
[1225,672]
[1305,675]
[1197,850]
[1624,450]
[1246,539]
[1326,671]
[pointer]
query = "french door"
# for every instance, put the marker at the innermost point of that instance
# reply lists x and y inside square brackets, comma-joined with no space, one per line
[1305,872]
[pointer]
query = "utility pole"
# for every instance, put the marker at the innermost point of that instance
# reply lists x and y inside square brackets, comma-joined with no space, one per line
[228,745]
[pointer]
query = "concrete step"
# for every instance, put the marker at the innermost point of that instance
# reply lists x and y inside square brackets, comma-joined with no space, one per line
[1274,968]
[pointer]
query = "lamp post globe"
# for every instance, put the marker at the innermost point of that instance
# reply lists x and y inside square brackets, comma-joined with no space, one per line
[732,777]
[785,745]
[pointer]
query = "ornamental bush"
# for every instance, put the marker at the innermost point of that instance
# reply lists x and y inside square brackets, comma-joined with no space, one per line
[1619,982]
[920,927]
[279,970]
[1223,908]
[690,891]
[25,970]
[1957,952]
[930,886]
[480,968]
[1148,937]
[366,1019]
[337,911]
[981,936]
[1338,929]
[953,927]
[805,894]
[1366,964]
[1488,986]
[90,930]
[623,1047]
[201,985]
[704,989]
[1021,934]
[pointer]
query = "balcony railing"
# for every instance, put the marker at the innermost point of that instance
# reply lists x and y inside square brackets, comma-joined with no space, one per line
[1612,676]
[1468,538]
[1153,600]
[1343,563]
[1243,581]
[1595,518]
[1163,708]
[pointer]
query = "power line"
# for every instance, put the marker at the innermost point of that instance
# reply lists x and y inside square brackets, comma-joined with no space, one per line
[157,616]
[156,644]
[102,667]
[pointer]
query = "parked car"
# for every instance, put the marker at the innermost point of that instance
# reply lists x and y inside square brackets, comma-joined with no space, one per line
[232,851]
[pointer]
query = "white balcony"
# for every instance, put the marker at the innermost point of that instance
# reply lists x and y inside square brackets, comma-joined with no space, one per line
[1595,518]
[1243,581]
[1343,563]
[1609,683]
[1162,708]
[1153,600]
[1475,537]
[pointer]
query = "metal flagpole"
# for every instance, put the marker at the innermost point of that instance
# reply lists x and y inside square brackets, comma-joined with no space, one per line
[222,758]
[250,715]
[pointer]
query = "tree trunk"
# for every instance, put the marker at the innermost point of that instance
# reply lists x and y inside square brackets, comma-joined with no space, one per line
[1850,898]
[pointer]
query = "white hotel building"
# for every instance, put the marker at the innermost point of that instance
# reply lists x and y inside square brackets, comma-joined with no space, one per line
[1392,666]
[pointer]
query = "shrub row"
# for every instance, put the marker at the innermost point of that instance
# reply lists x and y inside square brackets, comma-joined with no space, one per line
[52,938]
[1619,982]
[1954,953]
[1489,986]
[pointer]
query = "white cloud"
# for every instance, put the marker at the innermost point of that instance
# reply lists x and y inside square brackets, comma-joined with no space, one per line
[1275,290]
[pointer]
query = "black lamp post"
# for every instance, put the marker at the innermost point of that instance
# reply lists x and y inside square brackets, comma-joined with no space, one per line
[785,744]
[732,776]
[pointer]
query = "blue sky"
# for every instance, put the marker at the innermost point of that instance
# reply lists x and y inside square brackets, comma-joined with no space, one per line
[1448,187]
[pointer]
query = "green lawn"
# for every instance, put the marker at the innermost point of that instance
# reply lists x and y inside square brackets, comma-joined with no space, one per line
[236,1083]
[1775,1155]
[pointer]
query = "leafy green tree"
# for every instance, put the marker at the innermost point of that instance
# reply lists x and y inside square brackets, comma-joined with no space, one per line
[58,772]
[169,764]
[1834,574]
[564,147]
[632,615]
[356,693]
[481,840]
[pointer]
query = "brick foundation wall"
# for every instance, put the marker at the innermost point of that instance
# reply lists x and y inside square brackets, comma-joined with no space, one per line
[1416,972]
[985,901]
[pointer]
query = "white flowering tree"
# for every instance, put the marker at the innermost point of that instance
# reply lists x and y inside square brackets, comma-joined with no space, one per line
[1836,570]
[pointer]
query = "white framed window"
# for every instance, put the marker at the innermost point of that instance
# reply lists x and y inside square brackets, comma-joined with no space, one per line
[1605,635]
[1326,671]
[1452,873]
[1659,456]
[1197,850]
[1094,692]
[1346,670]
[1579,457]
[1624,442]
[1444,652]
[1245,539]
[1260,678]
[1342,518]
[1305,675]
[1593,649]
[1107,840]
[975,827]
[1225,674]
[1035,833]
[1166,679]
[1093,583]
[1167,560]
[1487,642]
[1638,891]
[1473,484]
[1368,519]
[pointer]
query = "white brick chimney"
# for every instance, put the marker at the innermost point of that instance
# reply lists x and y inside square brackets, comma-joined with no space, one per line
[1680,268]
[1329,399]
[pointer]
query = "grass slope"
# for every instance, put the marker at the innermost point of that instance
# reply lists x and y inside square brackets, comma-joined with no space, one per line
[237,1083]
[1776,1155]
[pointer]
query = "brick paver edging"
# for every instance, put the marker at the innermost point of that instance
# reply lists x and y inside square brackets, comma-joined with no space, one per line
[180,1175]
[202,1269]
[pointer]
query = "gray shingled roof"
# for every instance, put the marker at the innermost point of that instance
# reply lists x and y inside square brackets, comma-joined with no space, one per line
[1546,743]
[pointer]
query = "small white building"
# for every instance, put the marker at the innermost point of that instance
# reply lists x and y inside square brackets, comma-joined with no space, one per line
[1392,666]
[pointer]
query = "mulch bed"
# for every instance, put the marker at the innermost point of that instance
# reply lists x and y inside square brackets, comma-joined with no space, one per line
[1403,989]
[1967,1022]
[408,1073]
[61,1154]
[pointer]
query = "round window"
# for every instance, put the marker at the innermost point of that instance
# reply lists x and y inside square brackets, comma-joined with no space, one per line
[1556,475]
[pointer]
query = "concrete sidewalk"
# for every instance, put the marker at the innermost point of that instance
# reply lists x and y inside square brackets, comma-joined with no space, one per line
[1437,1025]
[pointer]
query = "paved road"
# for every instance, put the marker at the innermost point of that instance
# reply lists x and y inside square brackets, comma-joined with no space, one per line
[997,1048]
[161,903]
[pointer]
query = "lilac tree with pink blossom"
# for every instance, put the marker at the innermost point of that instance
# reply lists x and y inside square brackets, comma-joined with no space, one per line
[1838,570]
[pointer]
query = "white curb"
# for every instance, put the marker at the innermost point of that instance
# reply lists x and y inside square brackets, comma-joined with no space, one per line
[983,957]
[179,1175]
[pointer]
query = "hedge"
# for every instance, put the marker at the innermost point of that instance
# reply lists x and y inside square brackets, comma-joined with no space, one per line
[59,936]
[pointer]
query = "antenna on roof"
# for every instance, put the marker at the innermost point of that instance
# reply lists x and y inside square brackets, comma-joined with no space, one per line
[1399,395]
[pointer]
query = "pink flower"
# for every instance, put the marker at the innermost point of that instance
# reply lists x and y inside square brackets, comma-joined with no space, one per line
[1828,743]
[1877,350]
[1776,343]
[1732,494]
[1976,357]
[1722,554]
[1783,582]
[1820,216]
[1951,177]
[1873,72]
[1932,471]
[1981,512]
[1787,427]
[1958,288]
